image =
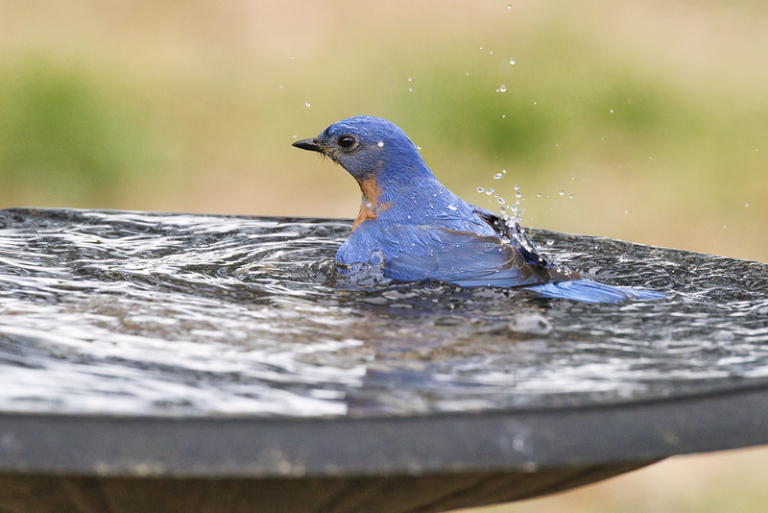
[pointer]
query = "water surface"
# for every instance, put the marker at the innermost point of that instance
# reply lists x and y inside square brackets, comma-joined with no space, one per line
[168,314]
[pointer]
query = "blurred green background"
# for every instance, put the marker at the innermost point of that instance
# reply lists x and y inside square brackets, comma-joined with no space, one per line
[651,118]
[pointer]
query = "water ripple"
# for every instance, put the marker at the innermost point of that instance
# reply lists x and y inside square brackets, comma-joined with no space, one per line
[168,314]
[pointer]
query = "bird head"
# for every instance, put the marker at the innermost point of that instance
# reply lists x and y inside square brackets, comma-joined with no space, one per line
[365,146]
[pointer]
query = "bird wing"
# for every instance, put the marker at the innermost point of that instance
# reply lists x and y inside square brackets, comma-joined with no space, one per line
[464,258]
[509,229]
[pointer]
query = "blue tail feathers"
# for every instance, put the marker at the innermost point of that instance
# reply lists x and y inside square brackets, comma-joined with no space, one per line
[588,291]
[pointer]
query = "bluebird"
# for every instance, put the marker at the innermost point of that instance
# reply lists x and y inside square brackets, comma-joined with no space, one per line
[415,229]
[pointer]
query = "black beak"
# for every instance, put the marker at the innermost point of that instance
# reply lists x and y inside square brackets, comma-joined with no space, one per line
[309,144]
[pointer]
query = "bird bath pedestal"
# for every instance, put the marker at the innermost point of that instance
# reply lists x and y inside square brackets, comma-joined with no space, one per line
[158,362]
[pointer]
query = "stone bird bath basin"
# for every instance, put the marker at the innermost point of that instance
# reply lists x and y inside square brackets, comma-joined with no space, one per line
[168,362]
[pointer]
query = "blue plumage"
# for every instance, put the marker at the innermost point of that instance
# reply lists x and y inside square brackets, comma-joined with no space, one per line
[415,229]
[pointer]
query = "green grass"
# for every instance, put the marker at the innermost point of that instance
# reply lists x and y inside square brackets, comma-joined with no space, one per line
[69,137]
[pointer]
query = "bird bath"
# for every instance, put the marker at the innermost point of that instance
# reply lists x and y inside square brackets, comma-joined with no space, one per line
[166,362]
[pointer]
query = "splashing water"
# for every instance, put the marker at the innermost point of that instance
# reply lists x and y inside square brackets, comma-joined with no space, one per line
[155,314]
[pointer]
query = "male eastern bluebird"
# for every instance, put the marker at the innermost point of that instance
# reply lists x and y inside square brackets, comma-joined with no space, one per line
[415,229]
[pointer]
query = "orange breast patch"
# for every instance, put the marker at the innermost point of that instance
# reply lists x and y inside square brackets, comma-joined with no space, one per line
[370,205]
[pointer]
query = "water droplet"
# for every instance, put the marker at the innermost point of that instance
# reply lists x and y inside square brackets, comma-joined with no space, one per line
[549,242]
[491,52]
[480,189]
[571,196]
[497,176]
[307,104]
[501,200]
[611,111]
[295,136]
[376,258]
[503,115]
[467,73]
[746,205]
[538,195]
[561,193]
[410,79]
[512,62]
[380,144]
[503,88]
[535,103]
[626,211]
[418,146]
[452,207]
[410,89]
[293,57]
[504,171]
[509,6]
[490,191]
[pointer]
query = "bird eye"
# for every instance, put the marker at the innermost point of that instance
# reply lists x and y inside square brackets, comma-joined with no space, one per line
[347,142]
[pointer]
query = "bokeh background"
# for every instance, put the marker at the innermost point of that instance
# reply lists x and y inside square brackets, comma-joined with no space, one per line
[645,121]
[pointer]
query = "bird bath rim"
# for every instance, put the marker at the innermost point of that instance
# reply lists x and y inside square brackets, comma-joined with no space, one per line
[529,441]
